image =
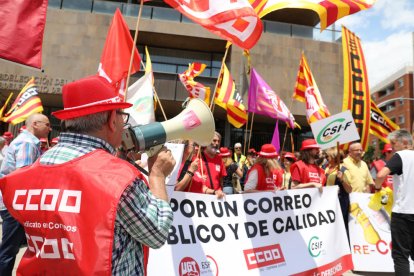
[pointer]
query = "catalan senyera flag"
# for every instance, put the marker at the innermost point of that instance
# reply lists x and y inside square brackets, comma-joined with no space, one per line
[263,100]
[195,89]
[357,97]
[381,125]
[307,91]
[116,54]
[233,20]
[27,102]
[227,98]
[329,11]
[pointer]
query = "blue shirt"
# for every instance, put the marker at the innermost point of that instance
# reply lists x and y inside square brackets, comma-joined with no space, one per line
[22,151]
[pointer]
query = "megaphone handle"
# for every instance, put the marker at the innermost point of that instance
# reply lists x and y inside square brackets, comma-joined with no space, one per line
[153,150]
[141,169]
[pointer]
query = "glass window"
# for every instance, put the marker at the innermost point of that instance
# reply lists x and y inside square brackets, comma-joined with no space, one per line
[401,119]
[277,27]
[84,5]
[166,14]
[303,31]
[106,7]
[54,3]
[401,82]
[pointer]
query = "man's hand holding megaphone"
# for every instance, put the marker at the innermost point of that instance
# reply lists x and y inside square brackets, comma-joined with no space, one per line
[160,166]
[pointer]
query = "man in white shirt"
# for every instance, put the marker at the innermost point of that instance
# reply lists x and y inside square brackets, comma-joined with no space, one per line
[401,166]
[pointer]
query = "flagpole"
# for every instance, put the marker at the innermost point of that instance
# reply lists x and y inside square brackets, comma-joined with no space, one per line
[218,78]
[284,138]
[245,133]
[133,48]
[251,127]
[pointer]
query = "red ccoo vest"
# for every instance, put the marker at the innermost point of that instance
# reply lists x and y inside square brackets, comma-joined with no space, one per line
[266,183]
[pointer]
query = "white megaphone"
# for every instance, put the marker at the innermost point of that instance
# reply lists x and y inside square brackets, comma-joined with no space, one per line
[195,122]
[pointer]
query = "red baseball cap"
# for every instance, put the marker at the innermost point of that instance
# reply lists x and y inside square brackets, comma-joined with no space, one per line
[8,135]
[55,140]
[87,96]
[309,144]
[224,152]
[290,155]
[268,151]
[387,148]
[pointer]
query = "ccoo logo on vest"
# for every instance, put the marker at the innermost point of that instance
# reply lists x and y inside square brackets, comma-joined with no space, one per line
[337,128]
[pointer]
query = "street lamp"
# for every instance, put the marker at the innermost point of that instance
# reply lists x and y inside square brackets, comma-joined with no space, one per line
[381,104]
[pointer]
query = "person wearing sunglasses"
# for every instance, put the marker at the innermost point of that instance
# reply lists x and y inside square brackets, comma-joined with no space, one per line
[98,209]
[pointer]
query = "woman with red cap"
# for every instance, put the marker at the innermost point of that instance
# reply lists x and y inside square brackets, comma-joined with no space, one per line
[231,169]
[266,174]
[305,172]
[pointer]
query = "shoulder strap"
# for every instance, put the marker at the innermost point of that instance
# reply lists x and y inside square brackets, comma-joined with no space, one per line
[208,170]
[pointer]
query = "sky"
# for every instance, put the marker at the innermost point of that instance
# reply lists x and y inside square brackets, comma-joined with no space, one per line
[386,33]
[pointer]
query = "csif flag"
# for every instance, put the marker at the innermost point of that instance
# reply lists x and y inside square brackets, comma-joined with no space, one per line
[263,100]
[227,98]
[380,124]
[27,103]
[234,20]
[116,54]
[307,91]
[328,11]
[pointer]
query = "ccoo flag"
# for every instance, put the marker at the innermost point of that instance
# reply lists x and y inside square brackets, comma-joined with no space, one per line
[307,91]
[263,100]
[27,103]
[381,125]
[233,20]
[357,97]
[116,54]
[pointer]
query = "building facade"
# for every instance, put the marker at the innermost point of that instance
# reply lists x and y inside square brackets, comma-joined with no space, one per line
[395,97]
[75,34]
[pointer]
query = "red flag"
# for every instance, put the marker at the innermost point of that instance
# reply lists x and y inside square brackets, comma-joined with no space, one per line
[22,24]
[234,20]
[116,53]
[195,89]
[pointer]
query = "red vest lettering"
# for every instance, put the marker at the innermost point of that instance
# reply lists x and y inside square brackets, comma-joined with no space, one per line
[265,182]
[68,212]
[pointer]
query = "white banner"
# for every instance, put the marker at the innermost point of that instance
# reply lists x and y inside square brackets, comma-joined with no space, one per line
[293,232]
[370,236]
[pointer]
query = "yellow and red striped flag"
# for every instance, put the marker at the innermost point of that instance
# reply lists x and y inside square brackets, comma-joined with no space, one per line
[307,91]
[329,11]
[357,97]
[26,103]
[195,89]
[381,125]
[226,97]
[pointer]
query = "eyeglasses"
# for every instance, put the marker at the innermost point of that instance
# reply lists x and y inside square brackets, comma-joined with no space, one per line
[125,116]
[46,124]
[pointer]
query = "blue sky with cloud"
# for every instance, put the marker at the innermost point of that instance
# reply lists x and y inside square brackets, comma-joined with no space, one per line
[386,33]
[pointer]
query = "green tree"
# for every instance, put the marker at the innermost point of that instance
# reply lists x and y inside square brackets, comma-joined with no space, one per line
[369,155]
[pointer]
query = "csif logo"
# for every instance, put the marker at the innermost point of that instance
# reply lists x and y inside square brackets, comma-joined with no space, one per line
[316,247]
[188,267]
[332,131]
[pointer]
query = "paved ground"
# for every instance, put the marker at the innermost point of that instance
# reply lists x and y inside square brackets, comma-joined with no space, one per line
[349,273]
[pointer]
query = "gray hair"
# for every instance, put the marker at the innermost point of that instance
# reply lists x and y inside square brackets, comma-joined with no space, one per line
[401,135]
[88,123]
[217,134]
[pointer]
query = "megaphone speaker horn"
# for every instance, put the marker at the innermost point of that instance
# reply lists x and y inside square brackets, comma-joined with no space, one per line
[195,122]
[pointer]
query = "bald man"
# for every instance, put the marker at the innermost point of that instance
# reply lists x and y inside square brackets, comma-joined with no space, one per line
[22,151]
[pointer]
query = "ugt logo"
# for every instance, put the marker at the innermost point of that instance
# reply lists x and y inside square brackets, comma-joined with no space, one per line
[188,267]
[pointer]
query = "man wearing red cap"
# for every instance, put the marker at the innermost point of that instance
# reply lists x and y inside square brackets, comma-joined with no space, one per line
[22,152]
[305,173]
[85,210]
[377,165]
